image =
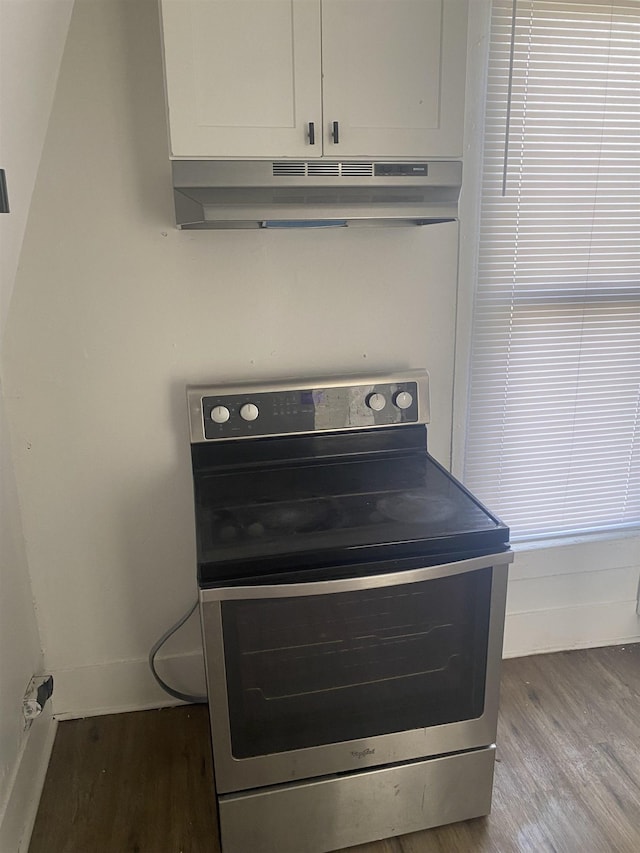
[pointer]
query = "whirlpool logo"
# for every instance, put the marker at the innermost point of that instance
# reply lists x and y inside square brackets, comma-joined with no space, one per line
[362,753]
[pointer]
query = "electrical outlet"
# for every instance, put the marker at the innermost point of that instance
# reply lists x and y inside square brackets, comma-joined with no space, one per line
[35,698]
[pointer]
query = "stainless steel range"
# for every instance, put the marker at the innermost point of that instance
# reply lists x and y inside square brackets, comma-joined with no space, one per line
[352,599]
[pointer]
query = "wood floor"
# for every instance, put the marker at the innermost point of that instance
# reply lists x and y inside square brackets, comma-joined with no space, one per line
[567,778]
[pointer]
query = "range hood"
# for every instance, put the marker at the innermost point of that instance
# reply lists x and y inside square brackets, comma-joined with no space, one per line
[298,193]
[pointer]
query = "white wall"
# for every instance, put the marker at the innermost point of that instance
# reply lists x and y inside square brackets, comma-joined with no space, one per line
[115,311]
[577,593]
[31,41]
[32,35]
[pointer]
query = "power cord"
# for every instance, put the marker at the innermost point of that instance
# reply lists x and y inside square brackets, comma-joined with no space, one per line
[185,697]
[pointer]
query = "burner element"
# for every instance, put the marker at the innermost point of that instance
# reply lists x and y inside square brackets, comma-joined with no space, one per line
[415,508]
[295,517]
[258,521]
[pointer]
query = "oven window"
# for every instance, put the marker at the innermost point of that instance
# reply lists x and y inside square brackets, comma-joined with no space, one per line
[322,669]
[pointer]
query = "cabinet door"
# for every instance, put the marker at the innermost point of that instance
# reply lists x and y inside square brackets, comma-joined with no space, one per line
[243,77]
[394,77]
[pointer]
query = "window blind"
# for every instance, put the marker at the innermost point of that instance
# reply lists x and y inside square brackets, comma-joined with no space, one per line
[553,436]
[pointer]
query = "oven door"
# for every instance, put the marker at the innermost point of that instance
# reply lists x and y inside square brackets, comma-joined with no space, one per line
[311,679]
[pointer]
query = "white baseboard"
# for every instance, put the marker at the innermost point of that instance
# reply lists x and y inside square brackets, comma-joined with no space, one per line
[127,685]
[22,806]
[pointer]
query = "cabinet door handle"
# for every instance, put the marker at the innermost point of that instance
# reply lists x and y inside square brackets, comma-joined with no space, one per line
[335,133]
[312,133]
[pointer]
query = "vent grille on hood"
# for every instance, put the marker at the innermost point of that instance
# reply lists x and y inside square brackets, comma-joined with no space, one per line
[319,167]
[313,168]
[349,170]
[294,168]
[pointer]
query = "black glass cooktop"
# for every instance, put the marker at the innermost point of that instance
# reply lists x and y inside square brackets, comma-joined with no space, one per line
[318,509]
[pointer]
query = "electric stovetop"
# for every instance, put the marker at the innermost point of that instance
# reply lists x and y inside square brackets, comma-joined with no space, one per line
[300,504]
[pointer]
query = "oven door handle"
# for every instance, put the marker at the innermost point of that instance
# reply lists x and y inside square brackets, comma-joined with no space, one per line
[292,590]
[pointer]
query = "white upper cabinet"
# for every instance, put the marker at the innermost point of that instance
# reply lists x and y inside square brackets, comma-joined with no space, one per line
[315,78]
[394,77]
[242,77]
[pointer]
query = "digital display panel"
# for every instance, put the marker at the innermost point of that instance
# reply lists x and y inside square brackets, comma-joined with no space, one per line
[313,398]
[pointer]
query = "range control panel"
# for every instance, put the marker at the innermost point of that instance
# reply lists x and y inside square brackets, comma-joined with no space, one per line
[302,410]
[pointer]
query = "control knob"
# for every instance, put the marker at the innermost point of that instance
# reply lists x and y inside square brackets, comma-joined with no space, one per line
[377,402]
[403,399]
[219,414]
[249,412]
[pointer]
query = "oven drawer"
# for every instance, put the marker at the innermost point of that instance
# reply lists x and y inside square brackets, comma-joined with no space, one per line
[329,814]
[310,679]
